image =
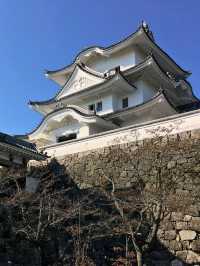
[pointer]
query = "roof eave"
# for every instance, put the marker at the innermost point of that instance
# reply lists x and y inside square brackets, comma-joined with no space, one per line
[31,155]
[155,99]
[126,41]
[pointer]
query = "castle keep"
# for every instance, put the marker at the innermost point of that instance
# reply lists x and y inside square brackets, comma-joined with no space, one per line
[130,83]
[118,110]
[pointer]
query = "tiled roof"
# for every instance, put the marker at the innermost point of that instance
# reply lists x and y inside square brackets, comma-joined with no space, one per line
[18,143]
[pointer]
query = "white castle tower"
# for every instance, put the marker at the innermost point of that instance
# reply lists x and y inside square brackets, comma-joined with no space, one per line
[131,82]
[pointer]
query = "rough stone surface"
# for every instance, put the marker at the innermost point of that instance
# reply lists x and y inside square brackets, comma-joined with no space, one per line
[179,231]
[195,224]
[187,218]
[187,234]
[181,225]
[170,235]
[176,216]
[192,257]
[178,157]
[195,245]
[182,255]
[171,164]
[175,246]
[31,184]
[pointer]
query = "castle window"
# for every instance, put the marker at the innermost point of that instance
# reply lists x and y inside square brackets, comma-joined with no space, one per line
[91,107]
[67,137]
[125,102]
[99,106]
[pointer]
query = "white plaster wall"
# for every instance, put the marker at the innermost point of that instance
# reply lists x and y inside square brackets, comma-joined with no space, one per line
[84,131]
[79,81]
[107,103]
[135,98]
[116,102]
[64,130]
[148,90]
[81,130]
[113,102]
[160,127]
[125,59]
[143,93]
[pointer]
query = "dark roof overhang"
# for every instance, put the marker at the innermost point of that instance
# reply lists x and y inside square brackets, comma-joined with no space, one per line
[149,63]
[20,147]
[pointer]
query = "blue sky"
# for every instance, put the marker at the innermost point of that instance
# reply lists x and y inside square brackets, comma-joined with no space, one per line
[47,34]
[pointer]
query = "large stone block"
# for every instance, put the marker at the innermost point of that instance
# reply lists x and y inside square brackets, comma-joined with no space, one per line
[187,234]
[170,235]
[193,210]
[187,218]
[174,245]
[192,257]
[167,225]
[195,245]
[182,254]
[195,224]
[181,225]
[195,134]
[171,164]
[176,216]
[186,244]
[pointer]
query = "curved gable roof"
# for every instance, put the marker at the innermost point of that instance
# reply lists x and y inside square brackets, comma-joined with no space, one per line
[149,63]
[81,77]
[142,34]
[159,99]
[77,113]
[117,75]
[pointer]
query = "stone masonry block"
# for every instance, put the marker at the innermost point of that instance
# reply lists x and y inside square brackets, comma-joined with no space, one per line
[187,234]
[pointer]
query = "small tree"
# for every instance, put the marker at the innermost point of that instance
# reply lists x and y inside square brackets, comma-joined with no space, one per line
[144,205]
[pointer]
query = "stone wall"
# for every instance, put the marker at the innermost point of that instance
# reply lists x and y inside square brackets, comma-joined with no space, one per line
[180,234]
[178,156]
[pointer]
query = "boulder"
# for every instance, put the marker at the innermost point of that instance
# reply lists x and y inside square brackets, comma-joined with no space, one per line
[195,224]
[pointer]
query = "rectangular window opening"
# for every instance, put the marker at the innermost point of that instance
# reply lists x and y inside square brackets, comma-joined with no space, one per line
[99,106]
[91,107]
[125,102]
[67,137]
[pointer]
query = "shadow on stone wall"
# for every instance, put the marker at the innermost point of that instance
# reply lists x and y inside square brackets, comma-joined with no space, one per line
[84,225]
